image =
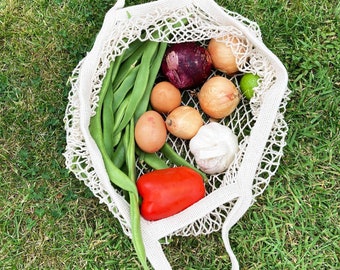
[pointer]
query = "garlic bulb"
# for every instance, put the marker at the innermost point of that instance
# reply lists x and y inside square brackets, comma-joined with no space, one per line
[214,147]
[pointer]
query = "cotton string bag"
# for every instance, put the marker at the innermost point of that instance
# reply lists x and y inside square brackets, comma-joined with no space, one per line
[258,123]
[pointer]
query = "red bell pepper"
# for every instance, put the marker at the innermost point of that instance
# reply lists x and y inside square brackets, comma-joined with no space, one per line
[168,191]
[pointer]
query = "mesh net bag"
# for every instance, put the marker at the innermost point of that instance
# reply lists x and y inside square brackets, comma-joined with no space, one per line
[258,123]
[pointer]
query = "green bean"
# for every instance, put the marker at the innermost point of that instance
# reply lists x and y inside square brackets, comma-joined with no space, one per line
[133,46]
[106,104]
[116,176]
[134,50]
[118,156]
[123,102]
[137,239]
[124,88]
[119,115]
[96,121]
[107,121]
[151,159]
[140,83]
[175,158]
[116,139]
[121,180]
[129,143]
[129,64]
[154,69]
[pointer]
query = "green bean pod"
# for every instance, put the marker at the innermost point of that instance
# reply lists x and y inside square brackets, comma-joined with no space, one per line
[106,103]
[151,159]
[178,160]
[140,85]
[154,70]
[118,156]
[116,176]
[129,145]
[133,47]
[124,88]
[119,115]
[107,121]
[116,139]
[129,64]
[137,238]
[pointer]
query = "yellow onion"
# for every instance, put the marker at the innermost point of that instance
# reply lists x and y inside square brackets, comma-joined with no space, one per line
[223,55]
[184,122]
[218,97]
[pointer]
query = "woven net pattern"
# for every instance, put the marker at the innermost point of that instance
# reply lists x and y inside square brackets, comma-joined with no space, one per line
[185,24]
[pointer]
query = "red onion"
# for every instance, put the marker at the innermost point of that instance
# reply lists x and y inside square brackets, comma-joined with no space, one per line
[186,64]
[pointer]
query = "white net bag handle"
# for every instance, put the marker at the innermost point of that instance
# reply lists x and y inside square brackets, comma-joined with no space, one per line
[240,190]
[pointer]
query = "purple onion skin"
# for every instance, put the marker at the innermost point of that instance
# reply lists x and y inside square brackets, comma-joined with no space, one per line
[186,65]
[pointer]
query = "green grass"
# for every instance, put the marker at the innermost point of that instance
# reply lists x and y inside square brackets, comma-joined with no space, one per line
[49,220]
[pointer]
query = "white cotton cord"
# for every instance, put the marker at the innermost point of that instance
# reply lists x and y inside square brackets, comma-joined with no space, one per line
[119,4]
[241,206]
[155,253]
[234,262]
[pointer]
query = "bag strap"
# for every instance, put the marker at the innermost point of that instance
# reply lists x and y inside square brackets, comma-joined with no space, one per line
[119,4]
[154,231]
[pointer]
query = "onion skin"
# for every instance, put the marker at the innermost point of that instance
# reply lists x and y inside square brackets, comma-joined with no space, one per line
[184,122]
[222,55]
[186,65]
[218,97]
